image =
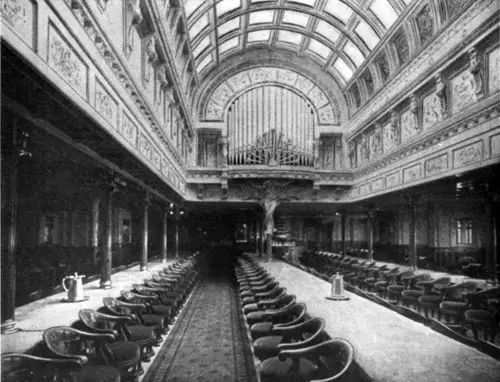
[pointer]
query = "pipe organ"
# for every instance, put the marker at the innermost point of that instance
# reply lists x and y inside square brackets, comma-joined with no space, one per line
[270,125]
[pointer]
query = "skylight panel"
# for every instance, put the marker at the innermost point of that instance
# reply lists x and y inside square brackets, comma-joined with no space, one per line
[226,6]
[319,48]
[260,17]
[198,26]
[328,31]
[339,10]
[296,18]
[290,37]
[309,3]
[344,70]
[191,5]
[257,36]
[204,63]
[228,26]
[354,53]
[384,12]
[228,45]
[367,34]
[201,46]
[258,1]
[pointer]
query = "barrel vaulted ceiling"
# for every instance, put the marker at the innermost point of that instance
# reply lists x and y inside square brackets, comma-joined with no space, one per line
[336,35]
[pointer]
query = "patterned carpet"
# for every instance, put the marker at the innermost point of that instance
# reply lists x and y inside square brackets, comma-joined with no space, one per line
[209,341]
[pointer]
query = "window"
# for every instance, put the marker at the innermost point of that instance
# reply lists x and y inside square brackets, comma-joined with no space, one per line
[464,231]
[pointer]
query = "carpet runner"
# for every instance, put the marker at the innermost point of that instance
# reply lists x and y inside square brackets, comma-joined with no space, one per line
[209,341]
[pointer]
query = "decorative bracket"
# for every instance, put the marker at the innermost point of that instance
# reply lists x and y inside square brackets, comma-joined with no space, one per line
[134,6]
[441,93]
[476,71]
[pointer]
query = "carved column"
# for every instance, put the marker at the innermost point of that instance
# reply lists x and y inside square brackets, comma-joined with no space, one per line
[165,238]
[9,218]
[96,200]
[106,243]
[145,232]
[412,204]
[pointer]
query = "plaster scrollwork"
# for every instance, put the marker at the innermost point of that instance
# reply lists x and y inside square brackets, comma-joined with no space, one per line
[475,68]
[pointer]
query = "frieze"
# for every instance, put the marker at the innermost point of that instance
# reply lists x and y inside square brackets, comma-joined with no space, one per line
[105,105]
[495,145]
[409,125]
[412,173]
[393,180]
[436,165]
[20,16]
[156,159]
[432,111]
[287,77]
[378,184]
[128,129]
[145,146]
[64,60]
[468,154]
[239,81]
[262,75]
[494,70]
[462,91]
[365,189]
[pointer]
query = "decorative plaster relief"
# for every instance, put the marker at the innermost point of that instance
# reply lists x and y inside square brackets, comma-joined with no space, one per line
[326,115]
[436,165]
[409,125]
[164,167]
[20,16]
[462,91]
[365,189]
[412,173]
[239,81]
[214,111]
[287,77]
[468,154]
[129,129]
[425,24]
[304,85]
[376,144]
[494,70]
[262,75]
[393,180]
[317,97]
[156,159]
[432,111]
[495,145]
[63,59]
[378,184]
[145,147]
[222,94]
[391,136]
[105,105]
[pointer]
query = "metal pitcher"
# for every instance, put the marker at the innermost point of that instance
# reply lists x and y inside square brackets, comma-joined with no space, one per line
[75,290]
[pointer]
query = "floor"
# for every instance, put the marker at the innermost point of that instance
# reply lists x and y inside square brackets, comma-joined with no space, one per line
[32,319]
[389,346]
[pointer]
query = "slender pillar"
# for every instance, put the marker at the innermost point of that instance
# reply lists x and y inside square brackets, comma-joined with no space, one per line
[261,239]
[369,228]
[257,236]
[106,243]
[11,169]
[145,233]
[177,238]
[165,238]
[412,203]
[96,200]
[342,228]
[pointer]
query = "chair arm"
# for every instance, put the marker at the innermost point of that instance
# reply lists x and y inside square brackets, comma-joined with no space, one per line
[74,362]
[96,336]
[132,305]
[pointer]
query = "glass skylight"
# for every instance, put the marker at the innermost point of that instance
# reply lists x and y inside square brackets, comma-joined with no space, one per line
[384,12]
[201,46]
[339,10]
[191,5]
[367,34]
[198,26]
[319,48]
[228,26]
[354,53]
[296,18]
[257,36]
[228,45]
[290,37]
[305,2]
[204,63]
[344,70]
[261,17]
[226,6]
[328,31]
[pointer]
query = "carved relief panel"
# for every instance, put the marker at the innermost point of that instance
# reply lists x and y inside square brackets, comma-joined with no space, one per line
[494,70]
[425,24]
[105,104]
[409,125]
[391,136]
[376,144]
[432,111]
[462,91]
[20,15]
[328,154]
